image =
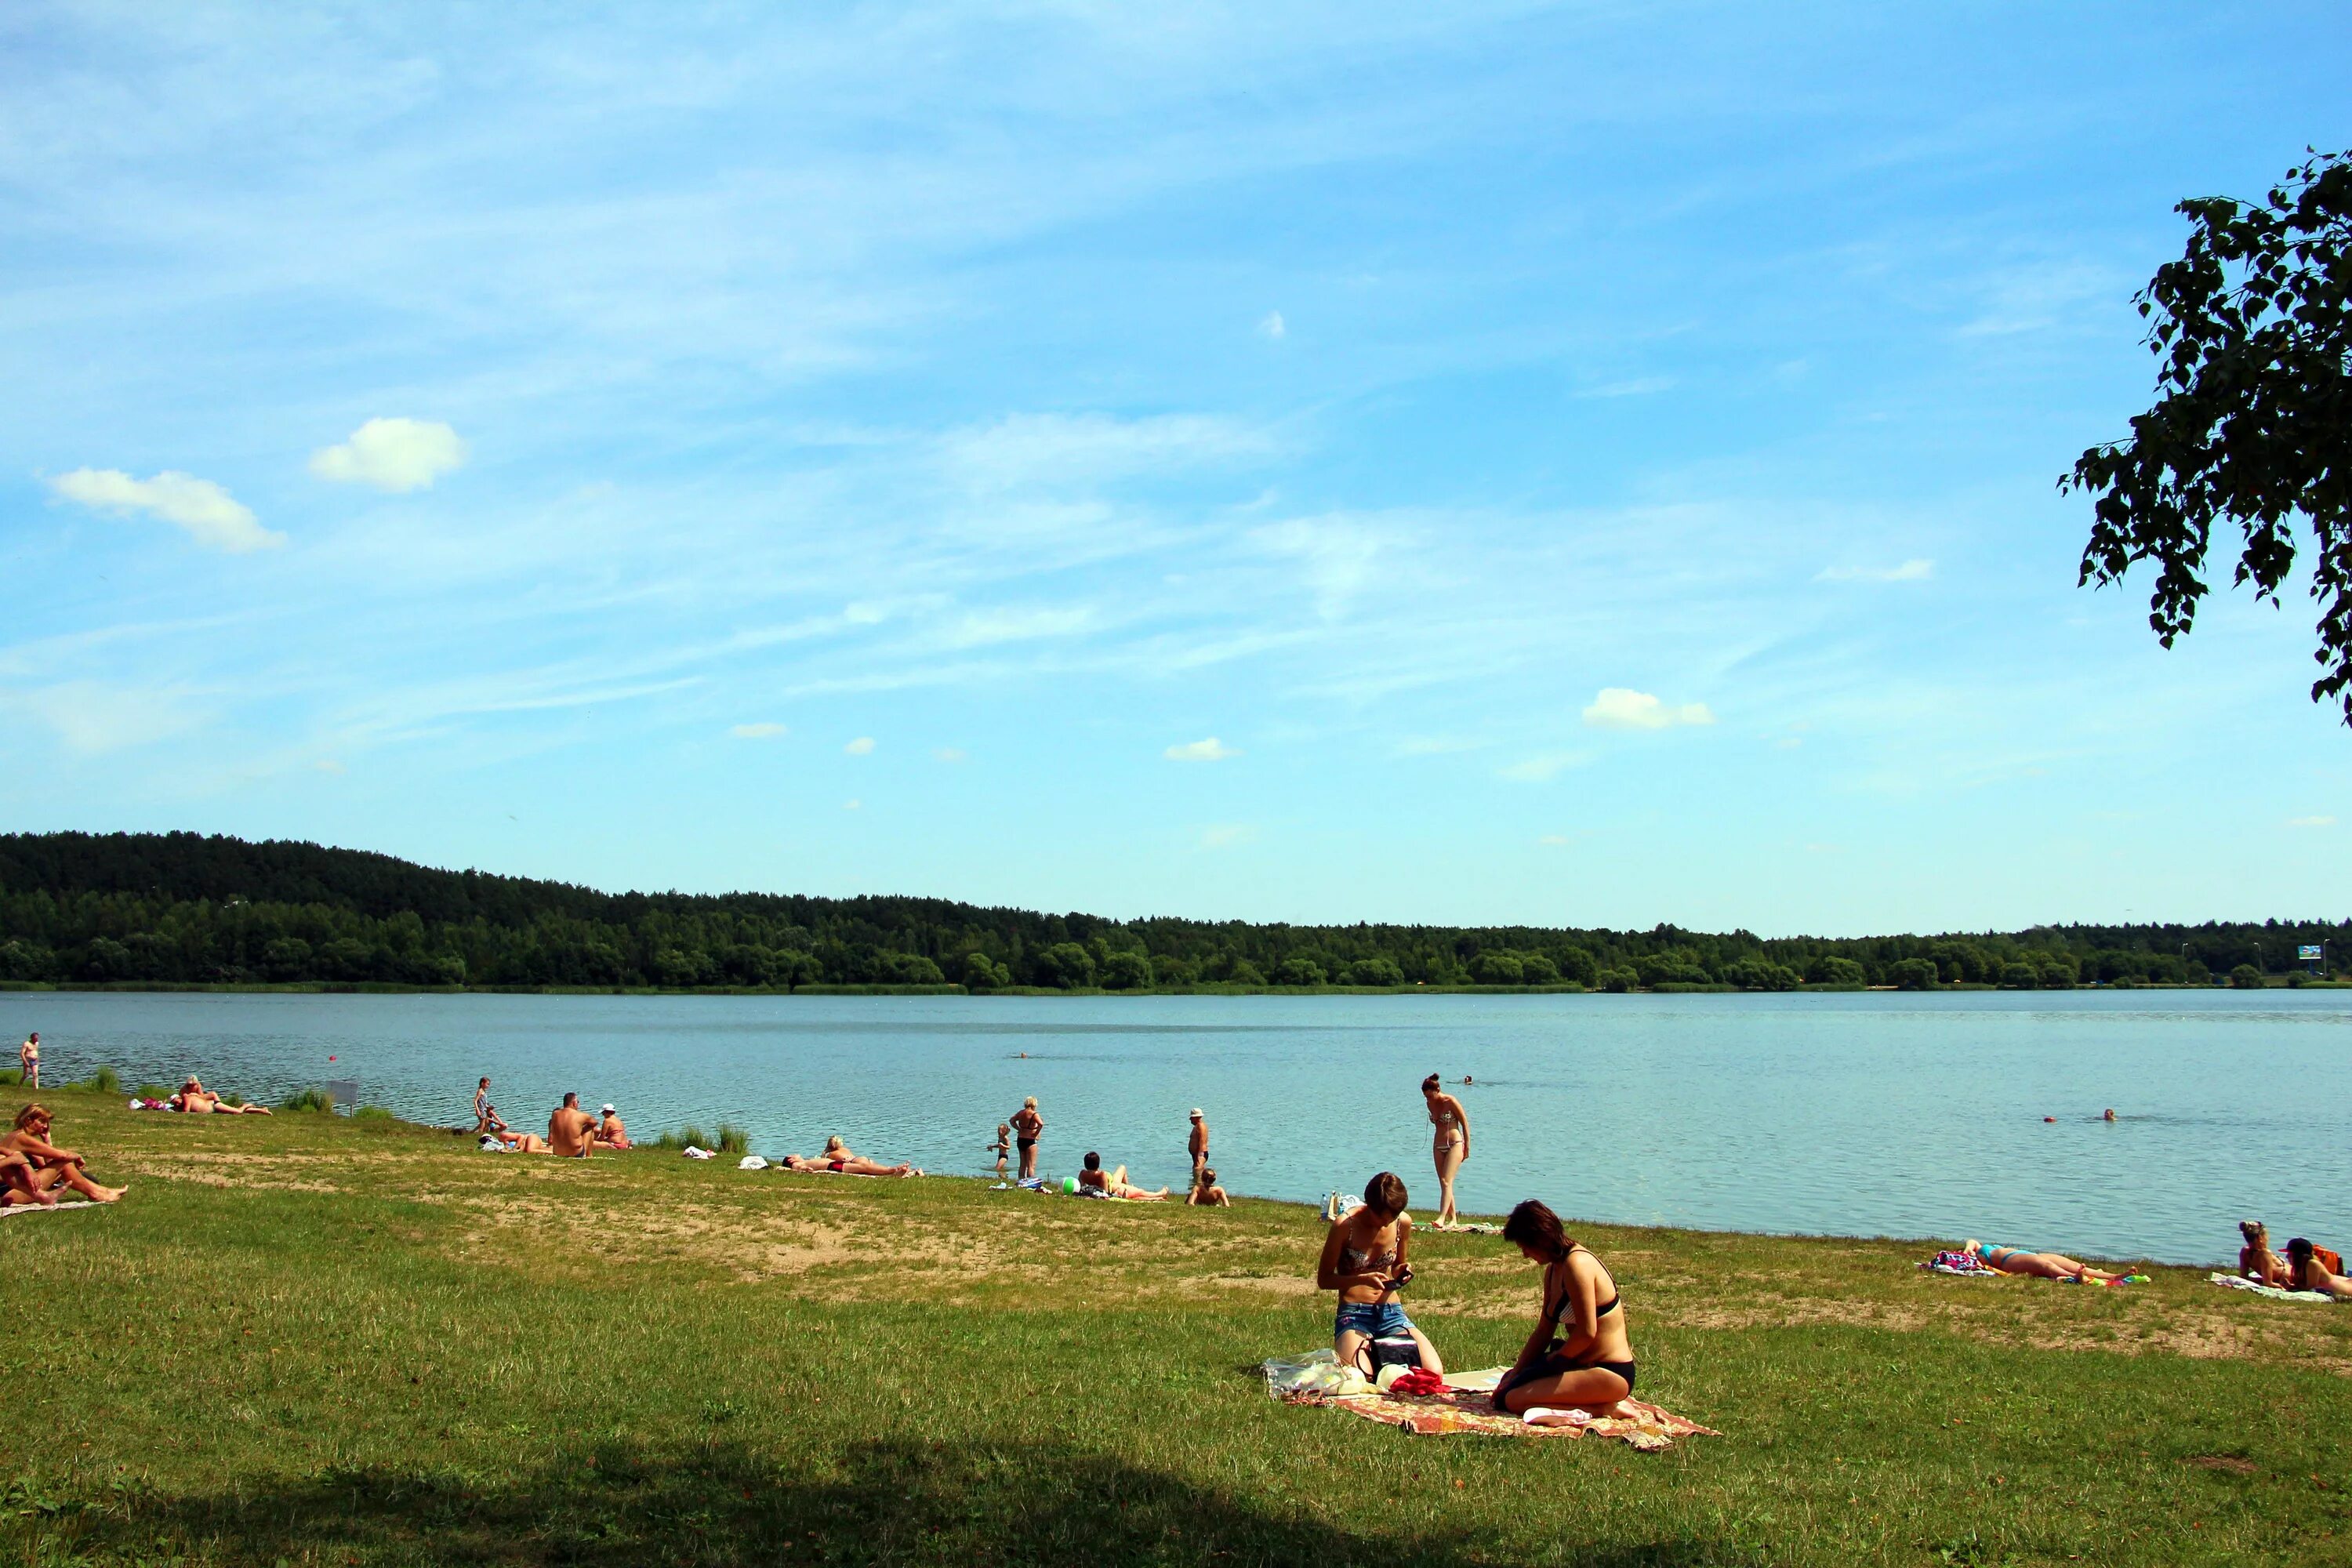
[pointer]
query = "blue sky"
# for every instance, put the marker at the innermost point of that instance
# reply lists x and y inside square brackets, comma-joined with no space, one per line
[1579,464]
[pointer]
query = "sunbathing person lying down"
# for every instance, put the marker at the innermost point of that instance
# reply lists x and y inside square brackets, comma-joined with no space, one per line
[29,1140]
[2041,1265]
[197,1100]
[1115,1184]
[512,1142]
[2305,1272]
[840,1160]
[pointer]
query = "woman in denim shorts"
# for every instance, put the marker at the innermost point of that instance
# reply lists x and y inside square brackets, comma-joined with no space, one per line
[1364,1260]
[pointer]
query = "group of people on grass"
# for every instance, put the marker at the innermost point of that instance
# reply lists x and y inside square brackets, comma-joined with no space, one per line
[1578,1355]
[35,1172]
[571,1132]
[1021,1131]
[2303,1268]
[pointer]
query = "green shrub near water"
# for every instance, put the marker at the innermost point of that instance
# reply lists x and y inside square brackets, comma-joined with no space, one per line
[690,1136]
[375,1118]
[732,1139]
[153,1091]
[11,1078]
[317,1100]
[105,1080]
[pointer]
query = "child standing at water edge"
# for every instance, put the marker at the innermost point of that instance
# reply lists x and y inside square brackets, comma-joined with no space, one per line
[1001,1148]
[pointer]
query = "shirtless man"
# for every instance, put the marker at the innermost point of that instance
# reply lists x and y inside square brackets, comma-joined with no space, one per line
[611,1133]
[30,1139]
[486,1115]
[1197,1145]
[1026,1124]
[1114,1184]
[28,1058]
[572,1130]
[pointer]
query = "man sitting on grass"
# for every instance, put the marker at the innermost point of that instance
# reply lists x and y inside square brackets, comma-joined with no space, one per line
[572,1130]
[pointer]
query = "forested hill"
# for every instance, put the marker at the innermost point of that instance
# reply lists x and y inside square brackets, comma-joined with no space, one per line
[184,908]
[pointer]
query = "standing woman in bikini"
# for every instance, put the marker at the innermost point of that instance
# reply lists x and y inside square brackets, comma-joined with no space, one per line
[1453,1143]
[1026,1124]
[1590,1364]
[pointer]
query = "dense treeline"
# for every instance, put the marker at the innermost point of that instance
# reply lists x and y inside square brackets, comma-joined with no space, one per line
[183,908]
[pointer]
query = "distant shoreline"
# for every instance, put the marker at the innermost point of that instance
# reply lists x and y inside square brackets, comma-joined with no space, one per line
[394,988]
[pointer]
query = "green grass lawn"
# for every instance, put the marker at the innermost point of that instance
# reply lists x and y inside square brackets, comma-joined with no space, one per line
[304,1340]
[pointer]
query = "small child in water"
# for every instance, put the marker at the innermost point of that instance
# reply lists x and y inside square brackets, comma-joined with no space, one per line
[1001,1148]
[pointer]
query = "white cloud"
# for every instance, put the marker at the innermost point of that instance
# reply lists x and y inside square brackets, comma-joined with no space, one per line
[1913,570]
[1336,553]
[952,754]
[328,765]
[2311,822]
[1618,708]
[764,730]
[392,454]
[862,613]
[853,805]
[1273,325]
[1535,769]
[210,514]
[981,627]
[91,718]
[1208,751]
[1554,840]
[1224,835]
[1642,386]
[1064,448]
[861,747]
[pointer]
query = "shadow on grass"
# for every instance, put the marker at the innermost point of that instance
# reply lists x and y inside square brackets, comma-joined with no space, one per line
[883,1502]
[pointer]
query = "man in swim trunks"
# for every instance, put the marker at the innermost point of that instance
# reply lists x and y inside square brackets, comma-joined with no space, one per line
[572,1131]
[1026,1125]
[1197,1145]
[28,1058]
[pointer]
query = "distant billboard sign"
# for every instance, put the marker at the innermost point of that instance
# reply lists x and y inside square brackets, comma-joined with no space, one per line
[2307,953]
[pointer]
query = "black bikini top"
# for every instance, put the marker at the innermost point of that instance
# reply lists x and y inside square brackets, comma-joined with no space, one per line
[1560,1308]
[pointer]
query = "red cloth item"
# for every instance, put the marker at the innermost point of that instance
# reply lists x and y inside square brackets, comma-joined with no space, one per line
[1420,1380]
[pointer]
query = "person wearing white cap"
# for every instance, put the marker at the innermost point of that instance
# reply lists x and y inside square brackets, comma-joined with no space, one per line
[609,1133]
[1198,1144]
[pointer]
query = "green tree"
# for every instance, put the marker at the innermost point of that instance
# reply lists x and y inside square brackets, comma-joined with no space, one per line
[2020,975]
[1125,971]
[1066,964]
[1619,980]
[2252,420]
[1914,974]
[1830,969]
[1299,972]
[1372,972]
[2246,977]
[982,972]
[1760,974]
[1245,973]
[1497,969]
[1535,969]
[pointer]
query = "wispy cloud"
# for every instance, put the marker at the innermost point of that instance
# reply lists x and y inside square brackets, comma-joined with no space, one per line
[1640,387]
[861,747]
[1917,569]
[1539,770]
[91,718]
[209,514]
[1226,835]
[393,455]
[766,730]
[1065,449]
[1208,751]
[1553,840]
[1271,325]
[2311,822]
[952,754]
[1620,707]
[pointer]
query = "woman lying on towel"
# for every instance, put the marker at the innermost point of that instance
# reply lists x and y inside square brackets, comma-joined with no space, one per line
[2305,1272]
[2041,1265]
[29,1141]
[197,1100]
[1364,1260]
[1579,1356]
[1114,1184]
[839,1159]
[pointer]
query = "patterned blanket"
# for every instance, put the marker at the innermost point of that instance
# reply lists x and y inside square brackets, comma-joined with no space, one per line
[2272,1292]
[1466,1405]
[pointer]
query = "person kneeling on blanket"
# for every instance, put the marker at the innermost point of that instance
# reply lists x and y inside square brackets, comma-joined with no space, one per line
[1364,1260]
[1589,1363]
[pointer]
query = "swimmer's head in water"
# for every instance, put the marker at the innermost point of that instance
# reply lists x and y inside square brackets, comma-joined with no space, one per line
[1385,1194]
[1093,1161]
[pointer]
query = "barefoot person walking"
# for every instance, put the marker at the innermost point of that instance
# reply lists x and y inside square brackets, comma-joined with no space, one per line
[28,1058]
[1197,1145]
[1453,1143]
[1026,1124]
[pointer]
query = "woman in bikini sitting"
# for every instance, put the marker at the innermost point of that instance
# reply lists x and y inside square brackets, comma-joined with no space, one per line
[29,1138]
[1114,1184]
[2040,1265]
[1364,1260]
[1453,1143]
[1579,1356]
[2256,1261]
[2305,1272]
[197,1100]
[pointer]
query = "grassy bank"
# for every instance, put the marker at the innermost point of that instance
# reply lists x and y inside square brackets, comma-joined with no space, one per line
[306,1340]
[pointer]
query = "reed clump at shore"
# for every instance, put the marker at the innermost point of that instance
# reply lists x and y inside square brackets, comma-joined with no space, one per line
[312,1339]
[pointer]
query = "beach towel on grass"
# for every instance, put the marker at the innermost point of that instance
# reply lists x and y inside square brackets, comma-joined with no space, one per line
[1961,1265]
[49,1209]
[1465,1405]
[2272,1292]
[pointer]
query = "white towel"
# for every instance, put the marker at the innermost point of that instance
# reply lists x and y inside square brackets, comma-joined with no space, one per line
[692,1153]
[751,1163]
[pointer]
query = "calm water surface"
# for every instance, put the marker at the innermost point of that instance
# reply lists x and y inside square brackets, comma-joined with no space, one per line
[1859,1114]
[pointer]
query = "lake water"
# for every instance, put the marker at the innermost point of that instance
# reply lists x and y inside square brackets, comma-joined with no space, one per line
[1850,1114]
